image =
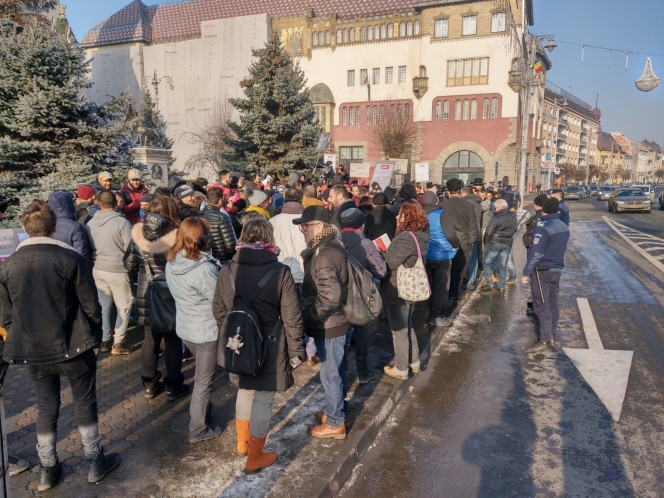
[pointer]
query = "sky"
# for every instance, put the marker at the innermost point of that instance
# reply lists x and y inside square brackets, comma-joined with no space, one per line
[629,25]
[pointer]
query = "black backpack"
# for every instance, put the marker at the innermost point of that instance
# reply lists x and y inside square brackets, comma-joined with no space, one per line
[243,346]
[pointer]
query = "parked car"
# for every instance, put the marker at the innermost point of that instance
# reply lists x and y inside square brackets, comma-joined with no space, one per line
[648,190]
[661,200]
[603,193]
[575,192]
[629,199]
[593,189]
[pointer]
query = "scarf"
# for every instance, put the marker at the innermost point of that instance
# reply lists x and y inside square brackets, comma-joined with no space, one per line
[259,210]
[316,241]
[266,246]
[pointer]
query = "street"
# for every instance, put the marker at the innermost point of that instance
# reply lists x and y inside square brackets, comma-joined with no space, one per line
[488,419]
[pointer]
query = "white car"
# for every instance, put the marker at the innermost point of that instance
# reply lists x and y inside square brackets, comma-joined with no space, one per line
[648,190]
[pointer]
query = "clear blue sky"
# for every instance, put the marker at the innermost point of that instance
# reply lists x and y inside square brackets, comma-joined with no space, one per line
[623,24]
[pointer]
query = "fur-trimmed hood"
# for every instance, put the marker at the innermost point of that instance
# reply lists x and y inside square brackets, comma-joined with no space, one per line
[160,246]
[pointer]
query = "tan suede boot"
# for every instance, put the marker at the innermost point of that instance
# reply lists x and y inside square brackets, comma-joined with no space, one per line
[242,429]
[256,459]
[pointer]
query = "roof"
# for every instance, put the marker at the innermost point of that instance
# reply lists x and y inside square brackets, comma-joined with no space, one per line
[170,22]
[321,94]
[605,141]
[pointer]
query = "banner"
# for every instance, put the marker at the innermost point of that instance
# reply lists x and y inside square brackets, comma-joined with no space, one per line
[383,174]
[362,170]
[400,165]
[330,158]
[322,142]
[10,238]
[422,172]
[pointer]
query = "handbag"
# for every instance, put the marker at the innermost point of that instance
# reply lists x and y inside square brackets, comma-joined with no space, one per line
[160,301]
[413,283]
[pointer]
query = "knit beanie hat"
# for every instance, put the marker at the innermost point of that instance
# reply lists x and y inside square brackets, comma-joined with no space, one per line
[256,197]
[352,218]
[429,198]
[408,191]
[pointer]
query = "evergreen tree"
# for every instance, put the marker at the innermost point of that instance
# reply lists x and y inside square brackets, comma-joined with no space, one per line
[277,131]
[51,137]
[153,124]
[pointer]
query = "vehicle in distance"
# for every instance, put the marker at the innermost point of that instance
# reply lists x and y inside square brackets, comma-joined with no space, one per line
[593,189]
[575,192]
[603,193]
[629,199]
[661,200]
[649,191]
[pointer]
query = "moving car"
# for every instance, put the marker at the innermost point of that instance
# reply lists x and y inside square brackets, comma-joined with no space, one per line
[603,193]
[629,199]
[575,192]
[649,191]
[593,189]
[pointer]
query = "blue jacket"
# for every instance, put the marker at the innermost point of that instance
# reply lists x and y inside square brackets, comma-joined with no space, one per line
[550,239]
[438,248]
[563,211]
[68,230]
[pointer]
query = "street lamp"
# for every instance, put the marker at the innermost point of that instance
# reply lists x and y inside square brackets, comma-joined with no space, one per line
[528,84]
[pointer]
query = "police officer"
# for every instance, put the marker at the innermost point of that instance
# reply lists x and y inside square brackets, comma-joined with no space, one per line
[546,259]
[528,234]
[564,210]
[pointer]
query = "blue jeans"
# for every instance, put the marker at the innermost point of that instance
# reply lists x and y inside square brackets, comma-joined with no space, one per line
[333,377]
[511,269]
[500,254]
[471,273]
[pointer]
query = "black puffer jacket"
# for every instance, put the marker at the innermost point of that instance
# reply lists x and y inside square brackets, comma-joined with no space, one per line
[150,241]
[221,229]
[501,229]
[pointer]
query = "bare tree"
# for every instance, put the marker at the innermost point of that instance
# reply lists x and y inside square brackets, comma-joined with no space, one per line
[627,175]
[659,174]
[393,134]
[209,139]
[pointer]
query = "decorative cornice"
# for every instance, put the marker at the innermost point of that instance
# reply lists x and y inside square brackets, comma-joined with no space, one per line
[441,16]
[470,13]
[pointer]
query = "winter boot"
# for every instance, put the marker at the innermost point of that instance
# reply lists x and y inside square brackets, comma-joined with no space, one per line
[242,429]
[49,476]
[256,459]
[176,389]
[102,465]
[152,386]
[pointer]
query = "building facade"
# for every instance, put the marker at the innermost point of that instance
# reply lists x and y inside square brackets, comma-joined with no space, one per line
[446,66]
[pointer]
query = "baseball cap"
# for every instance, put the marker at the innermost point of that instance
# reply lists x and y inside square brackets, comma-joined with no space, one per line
[313,213]
[133,174]
[85,192]
[183,191]
[104,175]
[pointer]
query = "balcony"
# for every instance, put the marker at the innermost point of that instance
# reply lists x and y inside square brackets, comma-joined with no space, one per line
[562,121]
[584,140]
[560,151]
[420,86]
[584,128]
[562,136]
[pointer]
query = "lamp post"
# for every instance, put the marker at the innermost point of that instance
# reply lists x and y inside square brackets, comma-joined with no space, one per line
[528,84]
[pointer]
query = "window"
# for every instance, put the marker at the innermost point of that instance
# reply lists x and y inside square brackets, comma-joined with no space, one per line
[416,28]
[441,28]
[457,110]
[439,110]
[423,72]
[494,108]
[464,159]
[323,116]
[376,76]
[392,113]
[485,113]
[475,68]
[390,30]
[352,34]
[352,116]
[468,72]
[402,74]
[484,66]
[406,113]
[351,77]
[345,36]
[469,26]
[314,39]
[466,68]
[383,31]
[446,111]
[389,71]
[363,33]
[382,115]
[358,116]
[368,112]
[339,36]
[370,31]
[399,113]
[376,32]
[402,29]
[328,36]
[466,109]
[473,109]
[363,77]
[375,115]
[344,113]
[348,155]
[498,22]
[409,28]
[451,69]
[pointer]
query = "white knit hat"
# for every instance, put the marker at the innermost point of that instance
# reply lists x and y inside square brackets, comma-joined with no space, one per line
[256,197]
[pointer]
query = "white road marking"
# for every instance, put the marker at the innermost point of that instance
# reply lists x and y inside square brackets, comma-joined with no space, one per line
[649,257]
[589,326]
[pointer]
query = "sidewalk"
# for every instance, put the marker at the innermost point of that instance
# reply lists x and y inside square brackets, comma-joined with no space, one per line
[151,436]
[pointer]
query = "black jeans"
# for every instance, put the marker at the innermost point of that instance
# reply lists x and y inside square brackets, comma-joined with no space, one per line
[547,312]
[81,372]
[439,273]
[172,355]
[459,268]
[362,336]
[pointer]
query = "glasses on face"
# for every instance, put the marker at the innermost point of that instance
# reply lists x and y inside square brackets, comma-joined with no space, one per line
[305,226]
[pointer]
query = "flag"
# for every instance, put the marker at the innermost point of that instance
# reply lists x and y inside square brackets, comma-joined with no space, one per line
[366,79]
[538,67]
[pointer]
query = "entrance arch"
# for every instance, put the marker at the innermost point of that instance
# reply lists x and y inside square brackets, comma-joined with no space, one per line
[465,165]
[480,172]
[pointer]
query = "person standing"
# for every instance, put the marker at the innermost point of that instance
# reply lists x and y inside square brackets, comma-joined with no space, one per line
[325,276]
[68,230]
[110,236]
[311,197]
[277,306]
[146,258]
[528,235]
[191,274]
[135,188]
[411,240]
[473,265]
[61,340]
[340,201]
[221,225]
[563,209]
[546,260]
[381,220]
[498,240]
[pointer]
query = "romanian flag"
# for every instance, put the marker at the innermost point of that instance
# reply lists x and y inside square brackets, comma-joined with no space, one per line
[538,67]
[366,79]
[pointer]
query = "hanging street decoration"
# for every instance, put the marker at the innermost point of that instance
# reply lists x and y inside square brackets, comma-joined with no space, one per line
[648,81]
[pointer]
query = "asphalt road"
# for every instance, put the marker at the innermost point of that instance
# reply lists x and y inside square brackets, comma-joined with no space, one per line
[487,419]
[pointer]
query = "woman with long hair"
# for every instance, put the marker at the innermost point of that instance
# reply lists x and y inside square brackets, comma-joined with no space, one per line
[146,258]
[412,231]
[278,309]
[191,273]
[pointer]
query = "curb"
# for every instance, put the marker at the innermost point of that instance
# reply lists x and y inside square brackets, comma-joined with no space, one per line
[362,437]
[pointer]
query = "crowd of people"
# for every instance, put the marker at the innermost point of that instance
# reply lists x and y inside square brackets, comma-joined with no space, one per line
[202,267]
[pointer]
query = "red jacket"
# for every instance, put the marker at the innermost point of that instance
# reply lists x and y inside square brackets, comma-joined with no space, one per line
[131,211]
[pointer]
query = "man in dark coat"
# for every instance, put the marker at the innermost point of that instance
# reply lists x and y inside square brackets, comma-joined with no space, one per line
[473,265]
[380,220]
[135,189]
[498,240]
[407,193]
[528,234]
[68,229]
[221,225]
[61,339]
[340,200]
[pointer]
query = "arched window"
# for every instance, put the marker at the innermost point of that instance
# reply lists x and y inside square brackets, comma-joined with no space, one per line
[494,108]
[321,38]
[377,32]
[473,109]
[446,111]
[344,114]
[409,28]
[464,160]
[368,111]
[399,113]
[382,115]
[314,39]
[323,117]
[406,113]
[392,111]
[390,30]
[345,35]
[358,117]
[352,116]
[352,35]
[328,37]
[363,33]
[466,109]
[439,111]
[457,110]
[375,115]
[383,31]
[371,32]
[402,29]
[416,28]
[423,72]
[485,113]
[339,36]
